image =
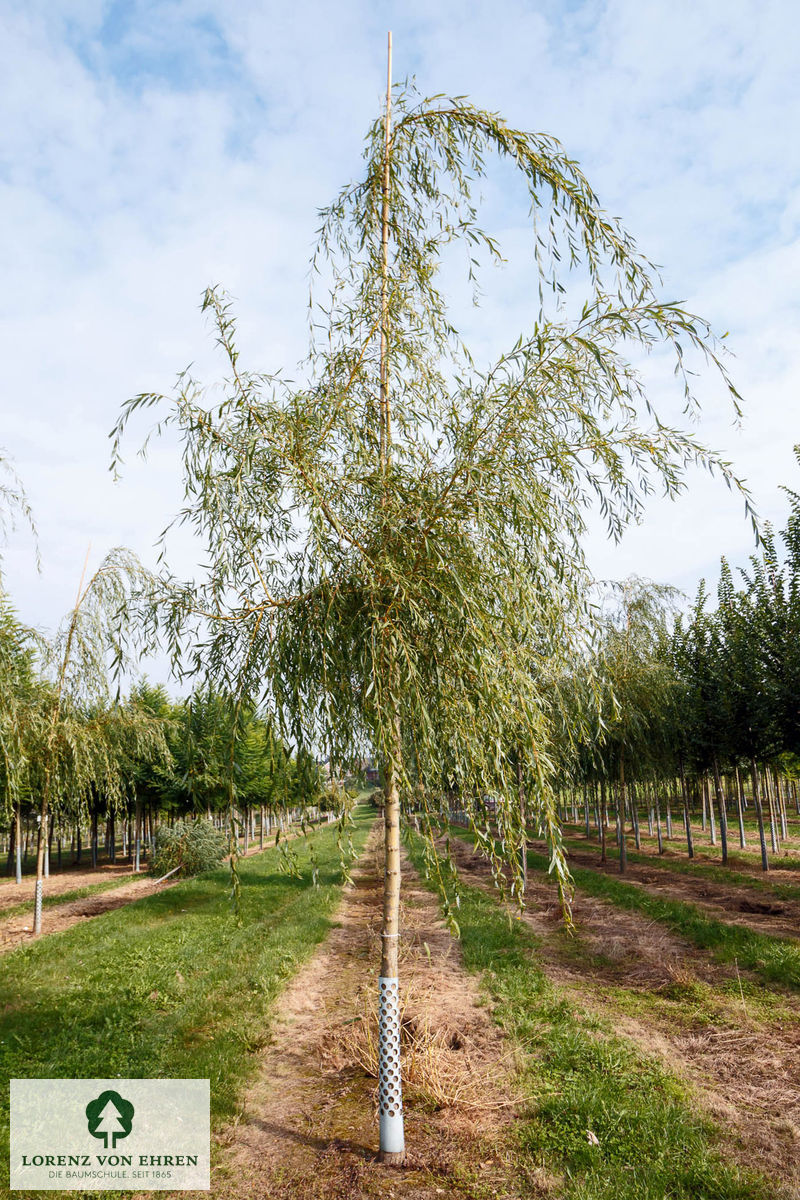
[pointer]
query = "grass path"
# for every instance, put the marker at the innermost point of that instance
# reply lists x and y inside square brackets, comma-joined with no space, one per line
[169,986]
[590,1076]
[308,1126]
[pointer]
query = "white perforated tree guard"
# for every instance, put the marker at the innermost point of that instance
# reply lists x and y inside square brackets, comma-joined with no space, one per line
[390,1091]
[37,907]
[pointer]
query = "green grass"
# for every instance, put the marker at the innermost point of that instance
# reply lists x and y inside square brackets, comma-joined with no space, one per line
[170,986]
[579,1077]
[773,959]
[690,866]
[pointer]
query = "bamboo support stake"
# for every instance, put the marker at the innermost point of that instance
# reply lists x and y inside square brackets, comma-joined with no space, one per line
[390,1095]
[385,420]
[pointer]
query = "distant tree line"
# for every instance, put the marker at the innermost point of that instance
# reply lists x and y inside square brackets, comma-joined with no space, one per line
[695,713]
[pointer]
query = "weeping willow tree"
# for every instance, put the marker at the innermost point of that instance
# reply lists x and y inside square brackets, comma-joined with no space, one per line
[86,739]
[20,717]
[394,544]
[640,686]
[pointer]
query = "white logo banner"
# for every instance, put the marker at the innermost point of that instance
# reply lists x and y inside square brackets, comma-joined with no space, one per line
[104,1134]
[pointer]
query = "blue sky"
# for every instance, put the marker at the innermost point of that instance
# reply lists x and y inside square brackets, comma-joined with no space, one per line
[149,149]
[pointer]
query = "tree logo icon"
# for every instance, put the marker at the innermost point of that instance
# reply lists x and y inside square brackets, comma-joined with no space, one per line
[109,1116]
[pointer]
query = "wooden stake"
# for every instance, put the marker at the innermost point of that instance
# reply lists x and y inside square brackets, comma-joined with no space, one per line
[392,1139]
[385,418]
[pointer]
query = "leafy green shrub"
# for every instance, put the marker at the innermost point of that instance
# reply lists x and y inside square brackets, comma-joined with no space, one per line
[193,846]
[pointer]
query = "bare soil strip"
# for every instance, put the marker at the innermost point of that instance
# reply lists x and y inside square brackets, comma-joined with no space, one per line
[308,1126]
[744,1068]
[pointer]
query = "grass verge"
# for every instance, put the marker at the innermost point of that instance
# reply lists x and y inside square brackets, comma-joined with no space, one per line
[611,1121]
[171,986]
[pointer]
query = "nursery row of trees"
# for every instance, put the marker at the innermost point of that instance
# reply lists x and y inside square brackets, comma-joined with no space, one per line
[112,769]
[699,712]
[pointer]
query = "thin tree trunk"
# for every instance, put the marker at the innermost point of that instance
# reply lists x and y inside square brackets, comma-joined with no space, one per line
[634,811]
[781,804]
[48,845]
[623,849]
[762,837]
[668,814]
[12,845]
[687,822]
[18,824]
[773,824]
[658,820]
[603,818]
[709,805]
[740,809]
[723,816]
[523,824]
[41,846]
[137,849]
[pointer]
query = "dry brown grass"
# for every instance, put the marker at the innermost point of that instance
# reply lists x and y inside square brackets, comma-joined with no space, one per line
[442,1069]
